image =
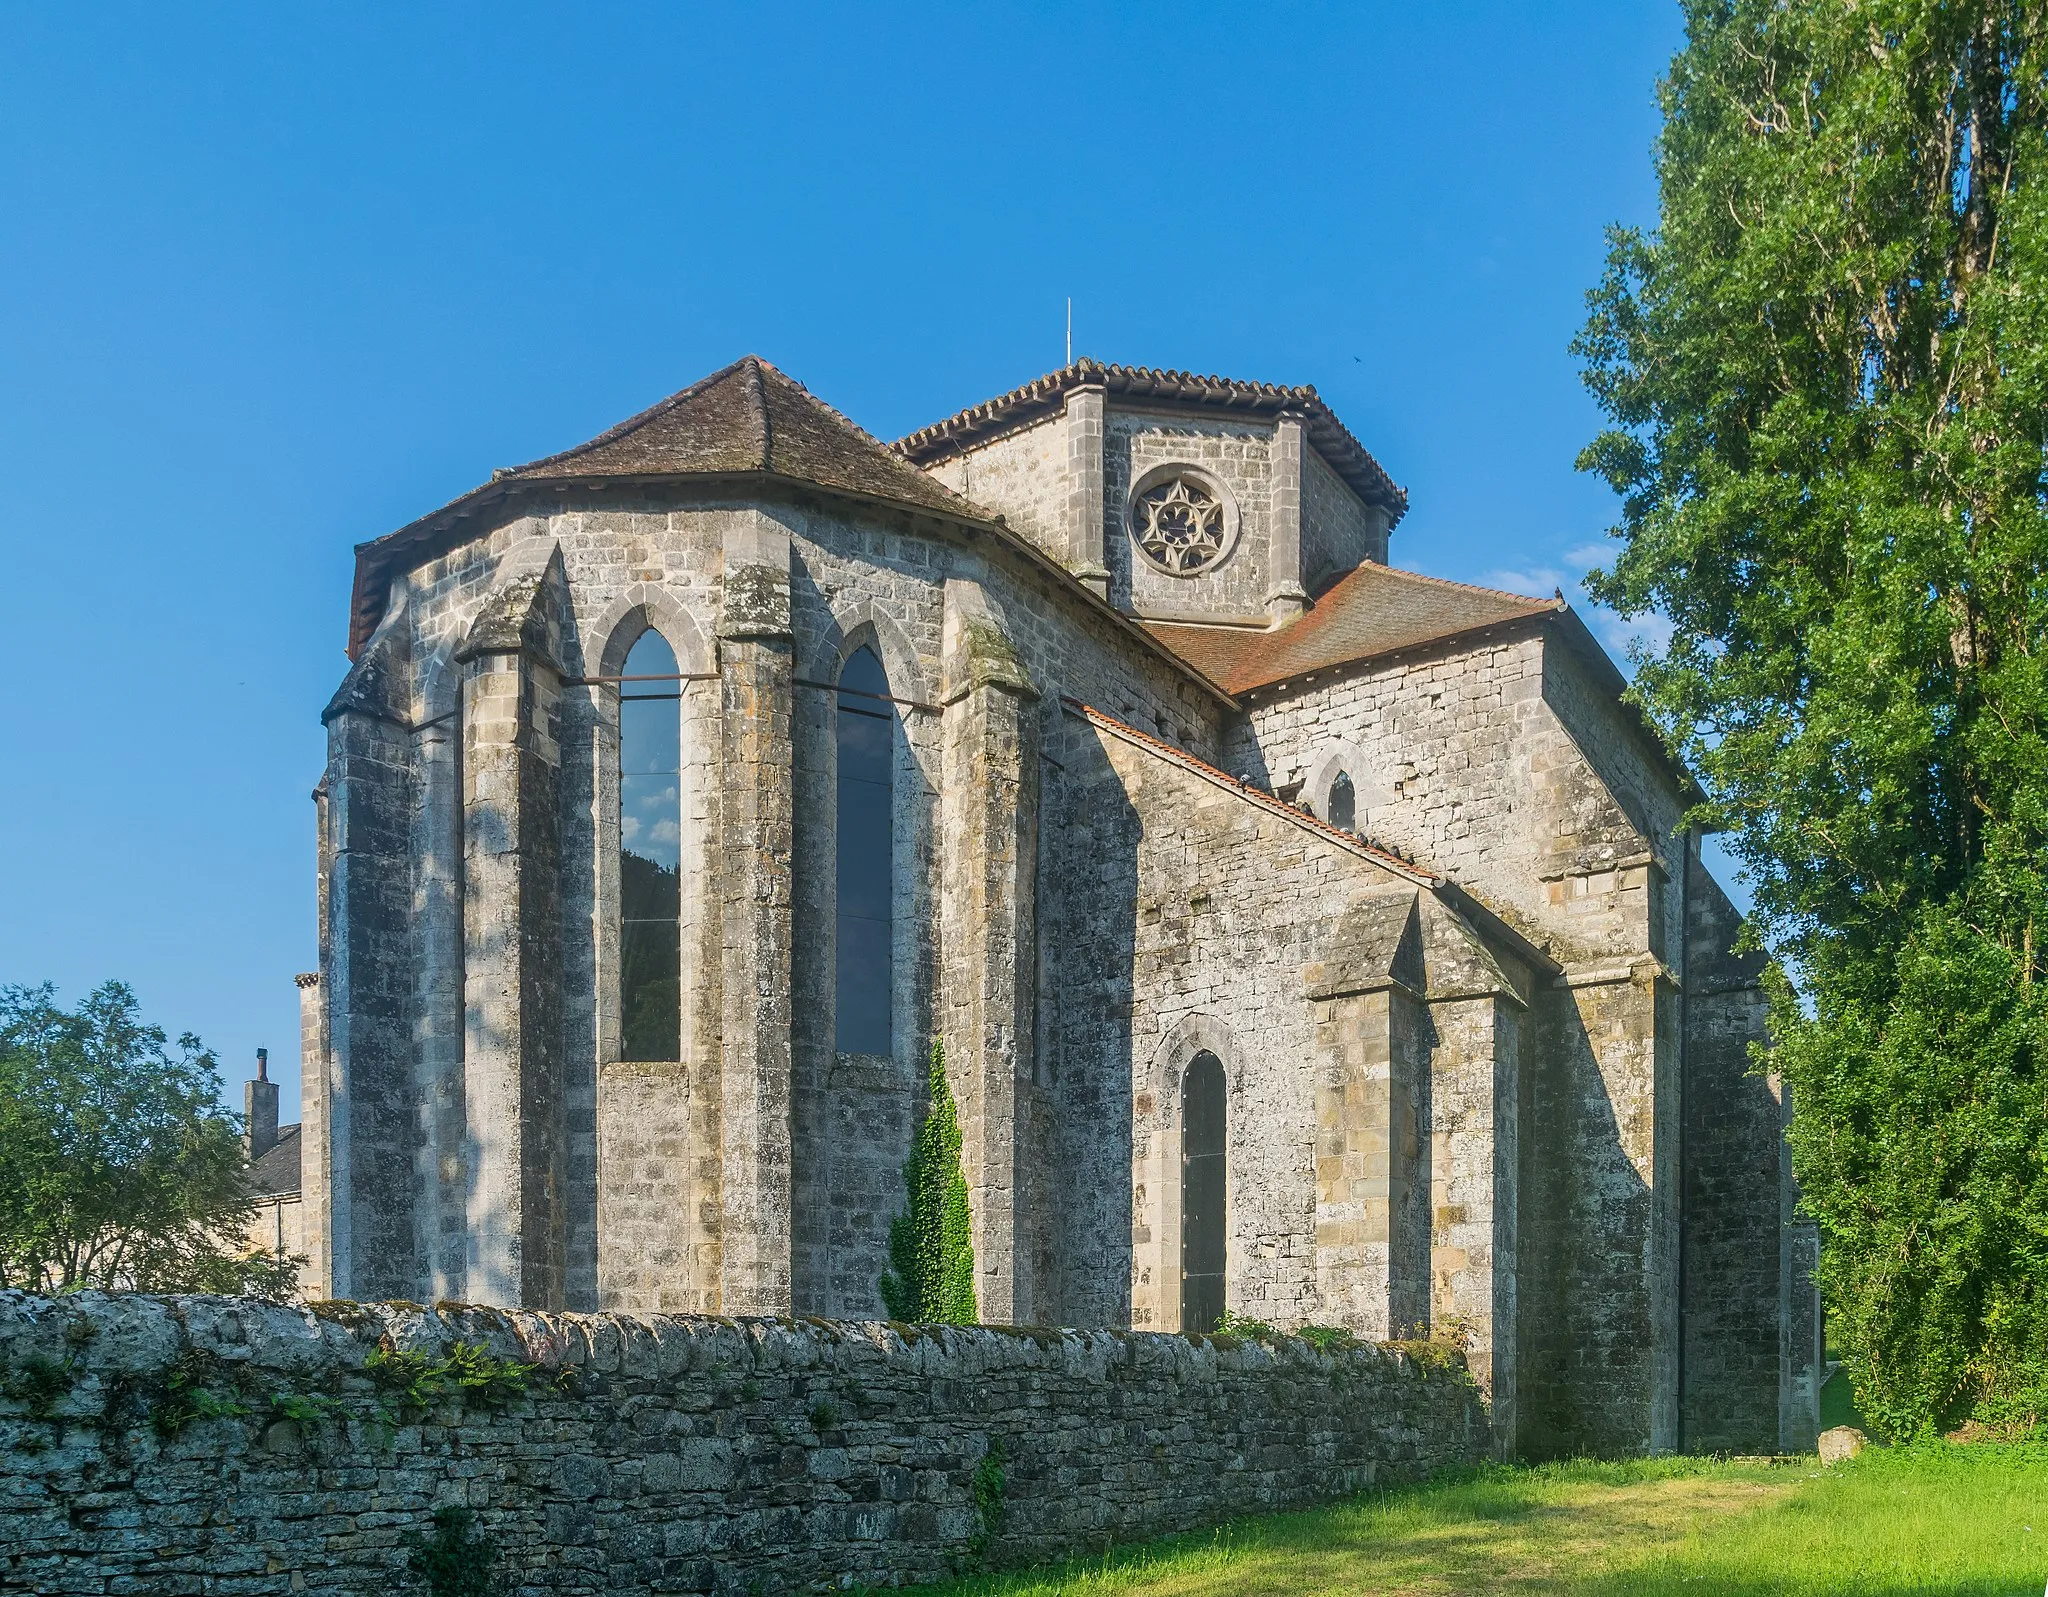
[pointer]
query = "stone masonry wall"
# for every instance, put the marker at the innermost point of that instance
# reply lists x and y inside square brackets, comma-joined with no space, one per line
[1338,529]
[658,1454]
[856,576]
[1236,454]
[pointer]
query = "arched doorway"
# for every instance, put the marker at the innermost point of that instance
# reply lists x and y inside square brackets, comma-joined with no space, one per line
[1202,1220]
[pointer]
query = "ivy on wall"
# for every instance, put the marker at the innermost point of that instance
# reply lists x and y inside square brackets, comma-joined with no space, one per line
[930,1280]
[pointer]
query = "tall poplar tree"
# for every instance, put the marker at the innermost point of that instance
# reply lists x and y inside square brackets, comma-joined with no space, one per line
[1827,376]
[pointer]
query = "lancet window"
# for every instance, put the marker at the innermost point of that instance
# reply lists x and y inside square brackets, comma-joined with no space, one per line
[1203,1233]
[1343,804]
[865,971]
[650,853]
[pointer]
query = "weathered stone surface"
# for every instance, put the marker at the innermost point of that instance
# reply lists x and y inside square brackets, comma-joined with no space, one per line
[1842,1442]
[1499,1090]
[656,1454]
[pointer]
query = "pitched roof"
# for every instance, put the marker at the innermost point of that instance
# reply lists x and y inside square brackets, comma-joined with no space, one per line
[1376,610]
[278,1170]
[1043,395]
[747,419]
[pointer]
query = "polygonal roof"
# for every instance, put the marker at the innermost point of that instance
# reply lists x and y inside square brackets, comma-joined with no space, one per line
[1171,389]
[746,419]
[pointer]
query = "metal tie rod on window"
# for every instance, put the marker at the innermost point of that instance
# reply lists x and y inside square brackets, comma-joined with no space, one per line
[712,676]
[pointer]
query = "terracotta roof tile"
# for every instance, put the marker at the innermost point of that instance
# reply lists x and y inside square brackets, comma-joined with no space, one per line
[1376,610]
[1042,395]
[749,417]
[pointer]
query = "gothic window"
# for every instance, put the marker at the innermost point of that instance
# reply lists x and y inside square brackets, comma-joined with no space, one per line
[1202,1233]
[650,853]
[1343,804]
[866,931]
[1180,525]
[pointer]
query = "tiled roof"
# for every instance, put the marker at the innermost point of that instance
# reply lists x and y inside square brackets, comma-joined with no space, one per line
[1039,397]
[278,1170]
[746,419]
[1374,611]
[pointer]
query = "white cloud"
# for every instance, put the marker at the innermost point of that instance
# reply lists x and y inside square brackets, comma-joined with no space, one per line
[1649,632]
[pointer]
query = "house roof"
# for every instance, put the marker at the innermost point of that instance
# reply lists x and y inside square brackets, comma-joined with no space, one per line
[1043,395]
[278,1170]
[746,419]
[1375,610]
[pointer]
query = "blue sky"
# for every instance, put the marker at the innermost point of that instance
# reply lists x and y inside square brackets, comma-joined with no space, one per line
[278,279]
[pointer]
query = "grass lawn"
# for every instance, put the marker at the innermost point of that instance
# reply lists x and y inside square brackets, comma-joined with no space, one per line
[1937,1519]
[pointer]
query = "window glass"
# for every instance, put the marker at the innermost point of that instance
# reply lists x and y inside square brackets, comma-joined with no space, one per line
[1203,1246]
[866,929]
[650,853]
[1343,804]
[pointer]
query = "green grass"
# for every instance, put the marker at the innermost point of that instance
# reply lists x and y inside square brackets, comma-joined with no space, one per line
[1955,1521]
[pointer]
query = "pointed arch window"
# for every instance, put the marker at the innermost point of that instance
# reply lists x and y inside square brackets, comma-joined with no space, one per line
[650,853]
[1203,1233]
[1343,804]
[865,984]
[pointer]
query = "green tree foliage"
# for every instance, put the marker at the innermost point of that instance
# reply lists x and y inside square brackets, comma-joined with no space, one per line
[931,1250]
[118,1166]
[1827,372]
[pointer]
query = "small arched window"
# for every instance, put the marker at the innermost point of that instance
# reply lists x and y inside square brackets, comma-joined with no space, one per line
[650,853]
[866,963]
[1203,1245]
[1343,804]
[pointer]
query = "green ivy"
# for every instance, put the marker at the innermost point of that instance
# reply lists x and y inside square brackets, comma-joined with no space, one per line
[991,1480]
[930,1280]
[458,1560]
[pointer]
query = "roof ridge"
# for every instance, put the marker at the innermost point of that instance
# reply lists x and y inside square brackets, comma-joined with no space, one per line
[632,424]
[1476,587]
[1420,874]
[757,396]
[1081,371]
[1331,439]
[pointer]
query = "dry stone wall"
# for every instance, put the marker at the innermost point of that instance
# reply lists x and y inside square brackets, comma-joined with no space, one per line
[219,1445]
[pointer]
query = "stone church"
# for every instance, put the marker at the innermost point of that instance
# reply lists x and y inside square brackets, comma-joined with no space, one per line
[1306,937]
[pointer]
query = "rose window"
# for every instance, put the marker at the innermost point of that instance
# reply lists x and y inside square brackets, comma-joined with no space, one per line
[1179,526]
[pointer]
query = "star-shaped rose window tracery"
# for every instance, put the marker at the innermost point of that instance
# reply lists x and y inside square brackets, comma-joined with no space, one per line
[1180,526]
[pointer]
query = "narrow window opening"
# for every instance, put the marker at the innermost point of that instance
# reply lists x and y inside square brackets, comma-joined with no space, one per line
[1202,1230]
[865,985]
[650,854]
[1343,804]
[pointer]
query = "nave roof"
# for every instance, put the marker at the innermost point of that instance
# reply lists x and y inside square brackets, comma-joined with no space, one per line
[1375,610]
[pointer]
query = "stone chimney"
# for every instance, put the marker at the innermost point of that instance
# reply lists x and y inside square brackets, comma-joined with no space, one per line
[259,1100]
